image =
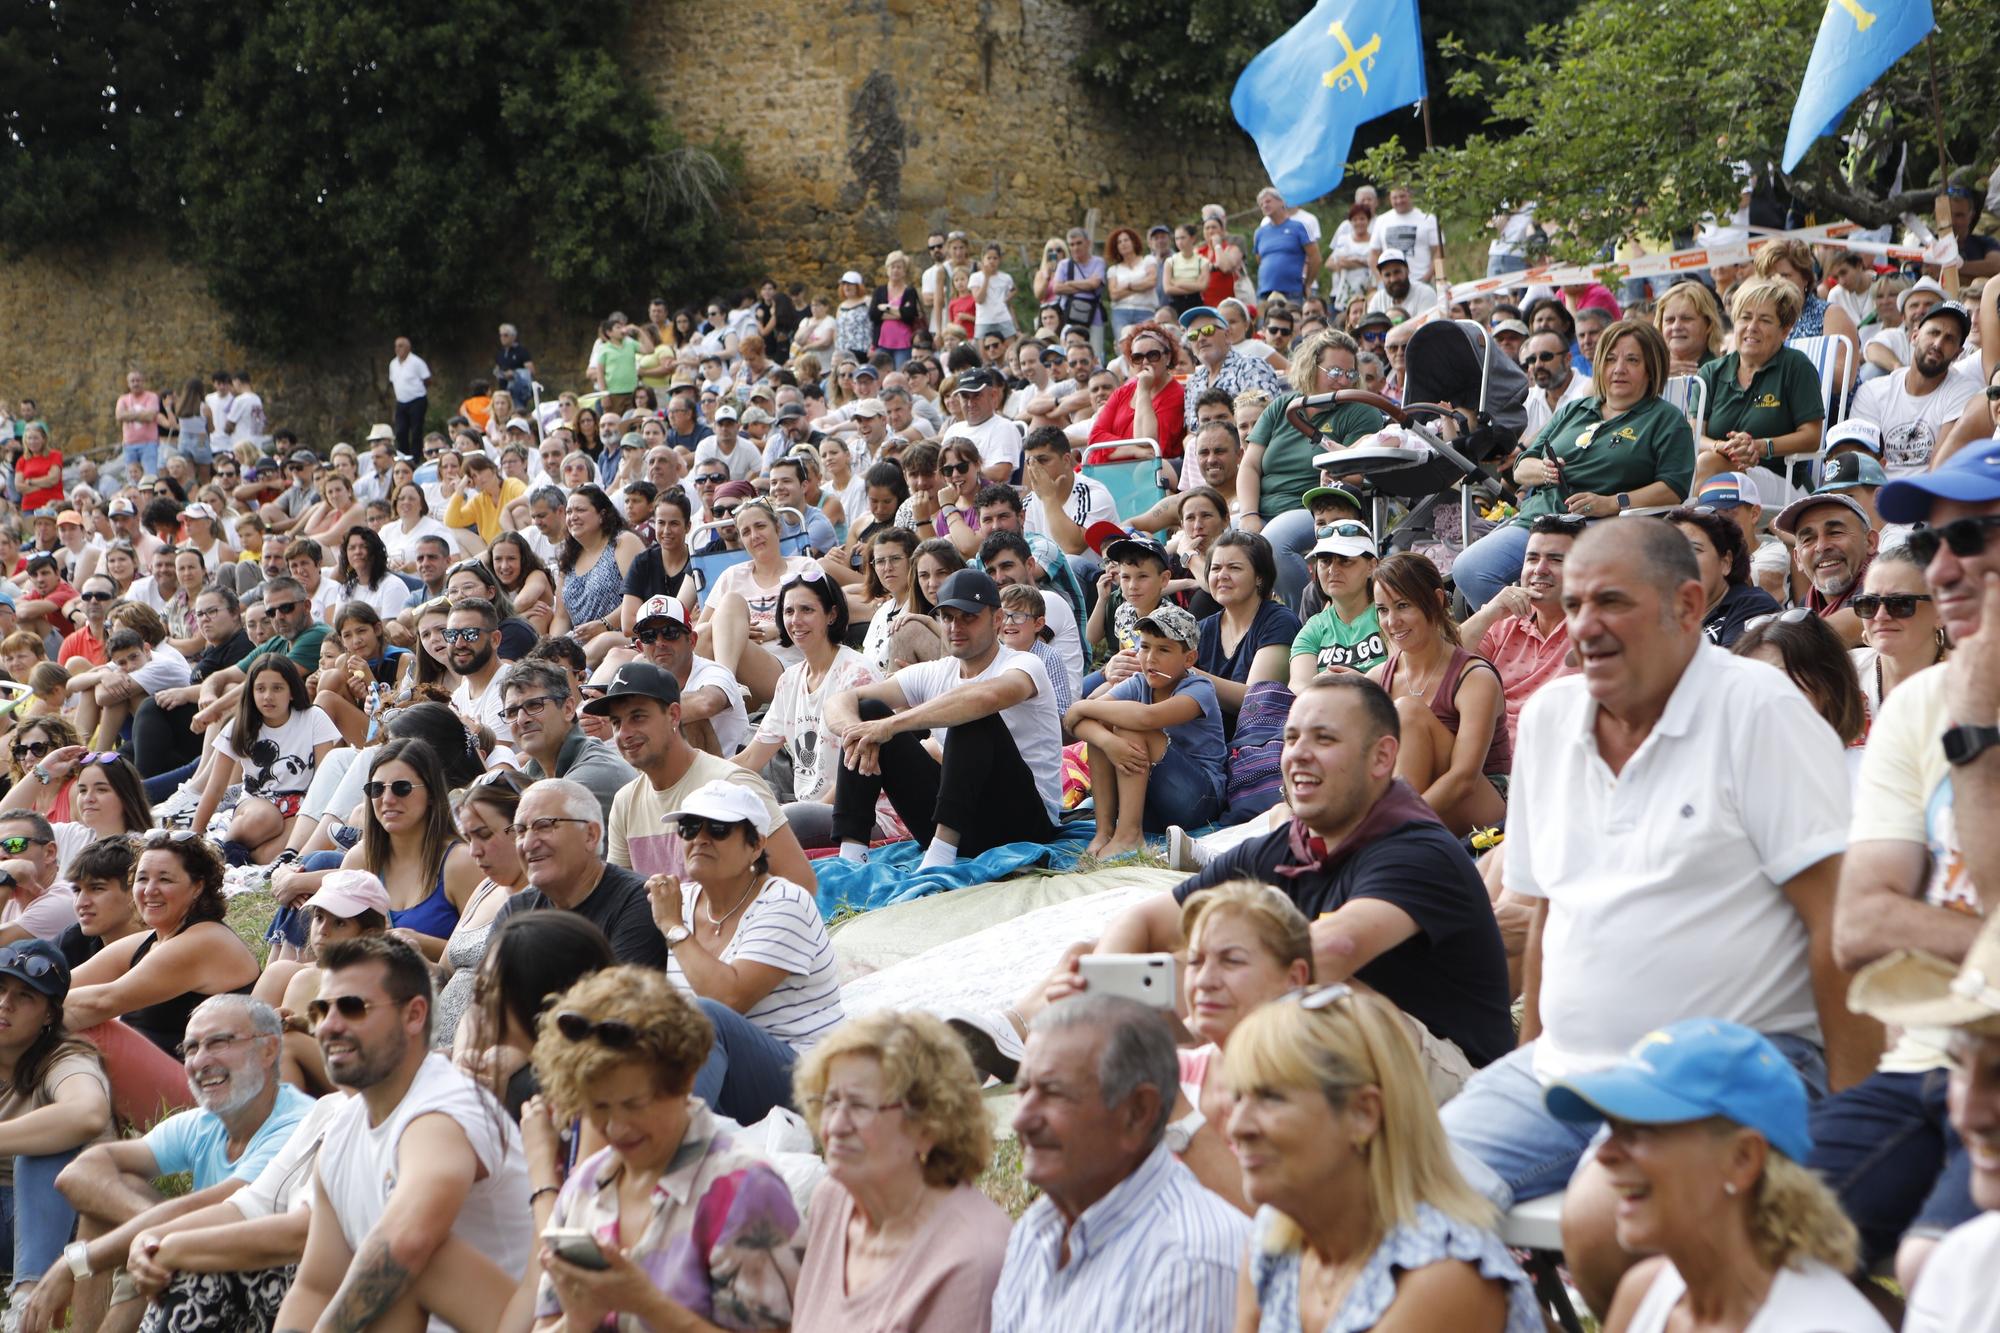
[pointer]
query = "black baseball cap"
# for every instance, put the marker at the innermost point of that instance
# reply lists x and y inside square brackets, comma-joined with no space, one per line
[298,456]
[976,379]
[39,966]
[1138,548]
[970,591]
[637,680]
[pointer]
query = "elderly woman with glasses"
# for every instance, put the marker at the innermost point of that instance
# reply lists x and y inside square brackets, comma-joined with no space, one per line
[900,1237]
[679,1219]
[1278,468]
[1363,1220]
[749,945]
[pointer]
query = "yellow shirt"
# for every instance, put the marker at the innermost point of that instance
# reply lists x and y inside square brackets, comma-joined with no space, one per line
[479,511]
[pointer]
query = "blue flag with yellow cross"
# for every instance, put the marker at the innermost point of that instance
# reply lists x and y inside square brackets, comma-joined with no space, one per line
[1858,41]
[1345,62]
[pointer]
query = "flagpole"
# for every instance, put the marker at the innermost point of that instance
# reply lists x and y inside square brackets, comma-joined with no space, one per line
[1937,110]
[1426,105]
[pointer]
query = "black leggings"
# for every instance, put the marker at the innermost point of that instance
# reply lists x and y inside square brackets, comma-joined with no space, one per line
[162,739]
[983,789]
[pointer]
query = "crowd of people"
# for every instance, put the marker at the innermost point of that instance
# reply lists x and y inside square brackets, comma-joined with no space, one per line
[1597,837]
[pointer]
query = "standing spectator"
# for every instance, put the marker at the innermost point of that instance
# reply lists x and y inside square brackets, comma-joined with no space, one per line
[894,314]
[1288,258]
[993,291]
[1078,290]
[1130,278]
[1184,274]
[139,420]
[410,382]
[1410,232]
[38,472]
[1225,260]
[614,364]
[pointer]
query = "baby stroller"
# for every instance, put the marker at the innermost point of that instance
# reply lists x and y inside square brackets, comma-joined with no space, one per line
[1463,408]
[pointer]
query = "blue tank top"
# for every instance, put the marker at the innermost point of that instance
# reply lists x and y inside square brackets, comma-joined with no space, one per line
[434,916]
[597,593]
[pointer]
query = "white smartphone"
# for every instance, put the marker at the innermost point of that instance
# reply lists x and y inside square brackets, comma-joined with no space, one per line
[576,1246]
[1147,978]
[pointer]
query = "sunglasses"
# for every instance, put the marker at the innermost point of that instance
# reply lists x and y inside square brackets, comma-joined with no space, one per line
[1374,335]
[1536,358]
[1204,330]
[730,512]
[1900,606]
[20,842]
[161,837]
[1278,330]
[503,778]
[1993,393]
[1965,536]
[466,634]
[14,960]
[33,749]
[97,596]
[1315,998]
[955,469]
[351,1007]
[690,826]
[713,480]
[1797,615]
[1344,528]
[607,1032]
[281,609]
[401,787]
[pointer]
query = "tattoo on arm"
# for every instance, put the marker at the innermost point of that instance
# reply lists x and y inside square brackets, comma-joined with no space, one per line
[373,1284]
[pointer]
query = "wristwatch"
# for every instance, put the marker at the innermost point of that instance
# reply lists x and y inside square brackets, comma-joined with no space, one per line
[677,935]
[1181,1132]
[77,1255]
[1962,745]
[1624,501]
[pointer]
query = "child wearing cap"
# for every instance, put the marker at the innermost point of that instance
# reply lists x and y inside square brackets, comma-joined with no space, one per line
[1138,568]
[1155,737]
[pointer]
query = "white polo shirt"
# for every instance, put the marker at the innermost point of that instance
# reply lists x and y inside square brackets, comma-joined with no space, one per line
[1665,882]
[997,439]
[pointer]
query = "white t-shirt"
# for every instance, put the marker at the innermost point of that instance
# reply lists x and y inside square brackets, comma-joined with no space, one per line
[486,708]
[781,928]
[1894,337]
[166,669]
[286,1182]
[1816,1300]
[997,438]
[1145,271]
[797,720]
[1512,239]
[1415,233]
[1666,883]
[1090,501]
[742,461]
[1067,640]
[407,376]
[1913,426]
[146,592]
[991,296]
[280,760]
[357,1166]
[1421,297]
[732,724]
[388,597]
[246,418]
[1956,1292]
[1540,413]
[1348,245]
[1033,723]
[403,545]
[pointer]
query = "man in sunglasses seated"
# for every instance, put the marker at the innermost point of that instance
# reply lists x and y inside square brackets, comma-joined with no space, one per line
[538,706]
[1545,356]
[293,633]
[713,717]
[1918,874]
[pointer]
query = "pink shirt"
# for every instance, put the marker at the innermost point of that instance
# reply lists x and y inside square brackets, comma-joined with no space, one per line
[942,1284]
[140,432]
[1525,660]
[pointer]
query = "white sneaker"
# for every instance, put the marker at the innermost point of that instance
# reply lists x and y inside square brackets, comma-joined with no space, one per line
[178,808]
[1184,853]
[996,1048]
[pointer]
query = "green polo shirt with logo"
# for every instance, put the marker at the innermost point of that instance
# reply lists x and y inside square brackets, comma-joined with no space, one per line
[1783,395]
[1288,470]
[1648,442]
[304,651]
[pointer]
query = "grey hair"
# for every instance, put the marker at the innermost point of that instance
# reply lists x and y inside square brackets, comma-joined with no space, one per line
[546,675]
[264,1020]
[551,496]
[1665,560]
[577,800]
[509,328]
[1138,1049]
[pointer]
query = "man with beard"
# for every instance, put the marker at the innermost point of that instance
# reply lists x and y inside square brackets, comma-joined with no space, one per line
[1398,288]
[1522,631]
[643,705]
[1545,356]
[420,1156]
[542,714]
[293,633]
[472,646]
[242,1116]
[1917,408]
[162,737]
[1218,365]
[1833,544]
[712,713]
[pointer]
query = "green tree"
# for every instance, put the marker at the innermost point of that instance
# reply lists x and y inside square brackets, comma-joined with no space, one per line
[1630,116]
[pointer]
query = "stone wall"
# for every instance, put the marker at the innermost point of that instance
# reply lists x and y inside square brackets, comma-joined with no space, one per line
[864,124]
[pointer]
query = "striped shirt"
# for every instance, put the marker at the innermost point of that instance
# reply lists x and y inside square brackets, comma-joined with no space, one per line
[781,928]
[1158,1252]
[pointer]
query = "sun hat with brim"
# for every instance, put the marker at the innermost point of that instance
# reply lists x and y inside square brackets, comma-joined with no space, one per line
[1696,1069]
[381,430]
[348,893]
[1788,518]
[728,803]
[1912,989]
[38,965]
[1970,476]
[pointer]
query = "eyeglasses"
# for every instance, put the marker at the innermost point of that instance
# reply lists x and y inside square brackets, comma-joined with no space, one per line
[1015,617]
[1536,358]
[610,1032]
[1796,615]
[216,1046]
[666,633]
[466,634]
[542,825]
[401,787]
[528,706]
[1965,536]
[692,826]
[278,609]
[1900,606]
[12,959]
[470,567]
[97,596]
[860,1114]
[351,1007]
[1204,330]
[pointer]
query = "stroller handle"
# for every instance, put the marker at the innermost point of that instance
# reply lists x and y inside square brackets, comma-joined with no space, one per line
[1398,413]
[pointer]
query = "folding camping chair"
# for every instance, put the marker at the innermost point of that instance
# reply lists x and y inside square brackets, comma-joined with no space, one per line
[707,567]
[1834,359]
[1135,483]
[1690,394]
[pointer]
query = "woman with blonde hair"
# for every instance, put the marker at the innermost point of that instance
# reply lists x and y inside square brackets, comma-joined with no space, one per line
[1708,1130]
[894,312]
[899,1236]
[1690,320]
[1363,1220]
[1764,403]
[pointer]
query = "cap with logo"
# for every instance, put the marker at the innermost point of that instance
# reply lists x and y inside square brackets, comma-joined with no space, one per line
[121,507]
[1102,533]
[970,591]
[1970,476]
[1849,471]
[1190,318]
[38,965]
[727,412]
[661,607]
[636,680]
[1171,622]
[1950,310]
[1788,518]
[1853,433]
[1727,490]
[726,803]
[199,509]
[976,380]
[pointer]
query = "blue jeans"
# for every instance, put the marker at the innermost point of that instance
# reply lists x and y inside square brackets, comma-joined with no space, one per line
[1512,1150]
[38,1220]
[1122,320]
[147,456]
[1498,264]
[1291,536]
[520,387]
[1179,791]
[1491,563]
[1887,1148]
[748,1072]
[162,785]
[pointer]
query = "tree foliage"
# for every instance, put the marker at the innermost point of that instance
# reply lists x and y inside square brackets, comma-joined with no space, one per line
[341,164]
[1631,115]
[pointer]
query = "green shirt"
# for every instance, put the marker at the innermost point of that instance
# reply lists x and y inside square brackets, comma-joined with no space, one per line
[1333,642]
[621,366]
[1648,442]
[1783,395]
[305,652]
[1288,470]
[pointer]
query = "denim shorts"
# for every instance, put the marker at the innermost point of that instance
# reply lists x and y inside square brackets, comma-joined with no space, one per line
[1887,1148]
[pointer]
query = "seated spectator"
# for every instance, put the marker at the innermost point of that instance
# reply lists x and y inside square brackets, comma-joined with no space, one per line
[762,969]
[485,809]
[101,875]
[1156,748]
[999,777]
[32,908]
[1148,406]
[692,1223]
[889,584]
[1645,457]
[1691,324]
[541,712]
[1010,562]
[57,1103]
[1900,630]
[1522,631]
[1918,409]
[1202,517]
[738,624]
[713,716]
[1346,635]
[1731,600]
[105,796]
[1024,627]
[1738,498]
[559,829]
[1136,573]
[1834,542]
[1765,408]
[1813,659]
[418,1156]
[1455,749]
[896,1104]
[530,960]
[1097,1086]
[594,560]
[1706,1147]
[1251,633]
[274,745]
[347,904]
[140,662]
[1332,1120]
[364,574]
[241,1116]
[367,671]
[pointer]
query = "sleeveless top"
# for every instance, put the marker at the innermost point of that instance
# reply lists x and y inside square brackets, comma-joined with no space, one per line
[596,593]
[434,916]
[463,951]
[1444,705]
[165,1024]
[1812,319]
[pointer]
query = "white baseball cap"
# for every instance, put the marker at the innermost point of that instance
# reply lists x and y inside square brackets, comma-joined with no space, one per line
[728,803]
[661,608]
[1392,257]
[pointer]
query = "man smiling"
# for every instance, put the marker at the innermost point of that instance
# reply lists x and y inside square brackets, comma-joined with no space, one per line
[1835,545]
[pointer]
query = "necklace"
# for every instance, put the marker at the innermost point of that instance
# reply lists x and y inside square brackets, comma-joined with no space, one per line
[716,922]
[1423,687]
